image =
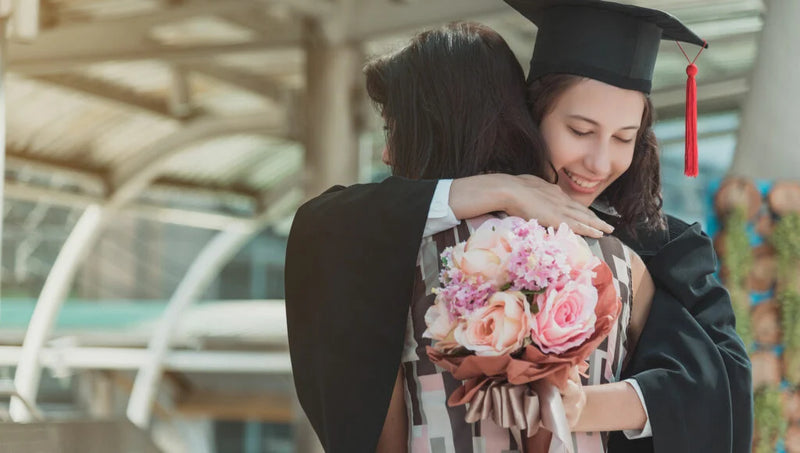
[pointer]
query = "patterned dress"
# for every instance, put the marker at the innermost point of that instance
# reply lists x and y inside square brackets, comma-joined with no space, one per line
[436,428]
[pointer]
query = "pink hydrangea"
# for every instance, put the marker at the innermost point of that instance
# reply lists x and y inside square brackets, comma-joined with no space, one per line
[463,293]
[536,261]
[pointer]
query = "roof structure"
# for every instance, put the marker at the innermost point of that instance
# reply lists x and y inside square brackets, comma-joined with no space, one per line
[206,96]
[192,112]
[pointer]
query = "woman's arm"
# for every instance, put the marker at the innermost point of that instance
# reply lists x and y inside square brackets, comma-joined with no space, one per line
[611,407]
[524,196]
[394,437]
[617,406]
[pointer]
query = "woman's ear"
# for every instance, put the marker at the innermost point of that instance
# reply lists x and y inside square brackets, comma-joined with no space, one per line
[385,156]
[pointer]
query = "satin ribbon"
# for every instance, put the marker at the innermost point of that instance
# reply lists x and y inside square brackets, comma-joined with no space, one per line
[554,418]
[519,407]
[509,406]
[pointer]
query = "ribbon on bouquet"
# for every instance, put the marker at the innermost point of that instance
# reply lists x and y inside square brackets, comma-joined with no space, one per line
[517,407]
[554,418]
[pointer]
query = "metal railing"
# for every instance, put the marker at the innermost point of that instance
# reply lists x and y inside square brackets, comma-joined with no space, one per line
[7,389]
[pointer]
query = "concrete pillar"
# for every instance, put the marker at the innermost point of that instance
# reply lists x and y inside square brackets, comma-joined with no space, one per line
[767,146]
[332,85]
[2,125]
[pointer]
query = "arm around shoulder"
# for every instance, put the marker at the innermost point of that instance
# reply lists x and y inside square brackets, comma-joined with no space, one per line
[525,196]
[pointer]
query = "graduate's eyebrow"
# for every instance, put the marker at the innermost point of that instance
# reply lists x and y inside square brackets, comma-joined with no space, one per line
[591,121]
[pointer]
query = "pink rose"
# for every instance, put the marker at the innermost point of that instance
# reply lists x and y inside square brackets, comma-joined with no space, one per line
[566,316]
[439,322]
[498,328]
[579,255]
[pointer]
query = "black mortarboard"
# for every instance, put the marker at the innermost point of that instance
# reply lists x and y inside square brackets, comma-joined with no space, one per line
[606,41]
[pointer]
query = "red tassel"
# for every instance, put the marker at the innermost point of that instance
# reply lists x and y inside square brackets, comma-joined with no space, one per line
[691,166]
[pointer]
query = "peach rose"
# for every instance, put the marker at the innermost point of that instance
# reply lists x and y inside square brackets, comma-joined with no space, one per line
[438,320]
[486,251]
[479,262]
[498,328]
[579,255]
[494,235]
[566,316]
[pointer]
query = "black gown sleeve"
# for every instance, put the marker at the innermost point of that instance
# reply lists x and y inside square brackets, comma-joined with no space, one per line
[691,365]
[350,264]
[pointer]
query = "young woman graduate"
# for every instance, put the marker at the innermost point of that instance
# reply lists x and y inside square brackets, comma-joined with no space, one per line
[357,247]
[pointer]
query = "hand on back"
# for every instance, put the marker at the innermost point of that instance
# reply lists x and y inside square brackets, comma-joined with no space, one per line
[526,196]
[533,197]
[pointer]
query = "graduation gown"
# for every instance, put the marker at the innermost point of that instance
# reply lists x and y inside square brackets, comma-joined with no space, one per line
[349,274]
[692,367]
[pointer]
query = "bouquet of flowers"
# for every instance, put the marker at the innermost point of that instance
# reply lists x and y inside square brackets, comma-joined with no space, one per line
[519,306]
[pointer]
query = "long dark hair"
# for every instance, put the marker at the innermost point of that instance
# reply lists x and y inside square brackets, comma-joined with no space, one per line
[636,194]
[454,104]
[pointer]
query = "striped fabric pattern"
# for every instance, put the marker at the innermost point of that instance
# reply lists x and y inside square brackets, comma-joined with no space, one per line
[435,427]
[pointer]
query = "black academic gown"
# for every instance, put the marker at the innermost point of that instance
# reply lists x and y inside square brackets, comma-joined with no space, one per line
[691,365]
[349,272]
[350,265]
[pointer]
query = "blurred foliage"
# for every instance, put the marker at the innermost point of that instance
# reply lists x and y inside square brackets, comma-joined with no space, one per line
[786,241]
[770,424]
[737,260]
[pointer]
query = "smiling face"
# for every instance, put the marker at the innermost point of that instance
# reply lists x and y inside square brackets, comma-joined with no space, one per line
[591,133]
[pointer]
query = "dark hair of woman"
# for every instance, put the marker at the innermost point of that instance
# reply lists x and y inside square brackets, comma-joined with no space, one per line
[636,194]
[454,104]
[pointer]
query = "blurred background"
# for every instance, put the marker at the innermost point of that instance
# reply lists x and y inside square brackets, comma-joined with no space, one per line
[155,151]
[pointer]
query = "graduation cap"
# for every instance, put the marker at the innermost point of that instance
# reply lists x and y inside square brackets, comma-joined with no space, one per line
[610,42]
